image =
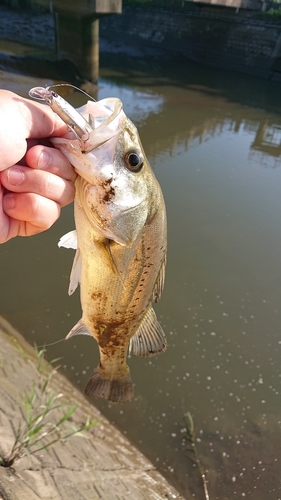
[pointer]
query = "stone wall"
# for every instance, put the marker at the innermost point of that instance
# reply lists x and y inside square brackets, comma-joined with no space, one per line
[218,36]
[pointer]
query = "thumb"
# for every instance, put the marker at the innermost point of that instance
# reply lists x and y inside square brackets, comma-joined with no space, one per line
[23,119]
[41,121]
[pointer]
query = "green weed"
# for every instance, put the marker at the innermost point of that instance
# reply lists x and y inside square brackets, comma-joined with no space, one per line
[42,426]
[190,437]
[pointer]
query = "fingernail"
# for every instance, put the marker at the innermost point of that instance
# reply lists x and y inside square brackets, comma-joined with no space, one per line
[43,160]
[9,201]
[15,176]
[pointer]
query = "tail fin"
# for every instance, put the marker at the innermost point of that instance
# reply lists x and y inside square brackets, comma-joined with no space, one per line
[116,390]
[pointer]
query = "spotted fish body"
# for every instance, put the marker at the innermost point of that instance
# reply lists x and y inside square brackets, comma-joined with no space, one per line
[120,242]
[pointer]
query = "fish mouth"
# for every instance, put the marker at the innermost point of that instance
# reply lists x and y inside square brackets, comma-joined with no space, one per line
[87,148]
[111,126]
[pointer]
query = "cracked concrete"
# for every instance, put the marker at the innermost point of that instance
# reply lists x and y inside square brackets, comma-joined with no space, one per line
[104,466]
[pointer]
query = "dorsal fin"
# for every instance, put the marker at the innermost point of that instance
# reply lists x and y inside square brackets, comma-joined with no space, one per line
[149,338]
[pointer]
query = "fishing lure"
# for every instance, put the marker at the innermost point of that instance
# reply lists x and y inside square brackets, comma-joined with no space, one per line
[91,133]
[73,119]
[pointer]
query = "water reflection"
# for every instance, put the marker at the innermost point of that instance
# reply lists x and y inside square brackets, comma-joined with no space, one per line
[221,304]
[265,131]
[267,142]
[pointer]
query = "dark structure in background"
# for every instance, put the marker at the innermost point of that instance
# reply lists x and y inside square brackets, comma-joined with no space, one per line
[77,31]
[239,35]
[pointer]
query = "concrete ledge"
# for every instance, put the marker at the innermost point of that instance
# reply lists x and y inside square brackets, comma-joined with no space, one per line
[104,466]
[83,7]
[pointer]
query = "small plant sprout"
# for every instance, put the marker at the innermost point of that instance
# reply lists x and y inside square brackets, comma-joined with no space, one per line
[190,437]
[46,420]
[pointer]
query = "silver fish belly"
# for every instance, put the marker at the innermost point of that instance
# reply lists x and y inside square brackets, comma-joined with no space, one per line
[121,245]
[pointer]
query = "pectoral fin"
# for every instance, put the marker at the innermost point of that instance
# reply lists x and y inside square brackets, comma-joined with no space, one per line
[112,262]
[159,285]
[149,339]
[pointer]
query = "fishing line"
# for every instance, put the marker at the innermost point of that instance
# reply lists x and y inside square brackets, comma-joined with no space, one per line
[73,86]
[53,343]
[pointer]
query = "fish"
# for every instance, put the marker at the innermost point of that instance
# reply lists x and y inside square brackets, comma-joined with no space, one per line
[120,241]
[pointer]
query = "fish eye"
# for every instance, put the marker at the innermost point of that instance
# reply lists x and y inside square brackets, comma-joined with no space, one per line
[133,161]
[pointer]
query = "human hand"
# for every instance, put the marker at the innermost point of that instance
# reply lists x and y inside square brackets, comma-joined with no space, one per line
[36,182]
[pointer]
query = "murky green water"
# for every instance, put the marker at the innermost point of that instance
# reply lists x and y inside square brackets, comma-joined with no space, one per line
[214,141]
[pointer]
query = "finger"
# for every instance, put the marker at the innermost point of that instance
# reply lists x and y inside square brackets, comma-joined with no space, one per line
[4,219]
[20,179]
[34,212]
[9,229]
[23,119]
[46,158]
[38,120]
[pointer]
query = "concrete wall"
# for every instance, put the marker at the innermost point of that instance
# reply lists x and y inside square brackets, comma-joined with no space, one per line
[213,35]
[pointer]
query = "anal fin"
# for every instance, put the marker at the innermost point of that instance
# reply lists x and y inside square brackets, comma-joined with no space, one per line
[150,338]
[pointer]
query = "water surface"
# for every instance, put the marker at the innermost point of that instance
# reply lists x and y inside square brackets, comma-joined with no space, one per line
[214,141]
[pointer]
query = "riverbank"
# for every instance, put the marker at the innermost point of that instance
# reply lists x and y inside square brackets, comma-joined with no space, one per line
[223,37]
[103,466]
[27,46]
